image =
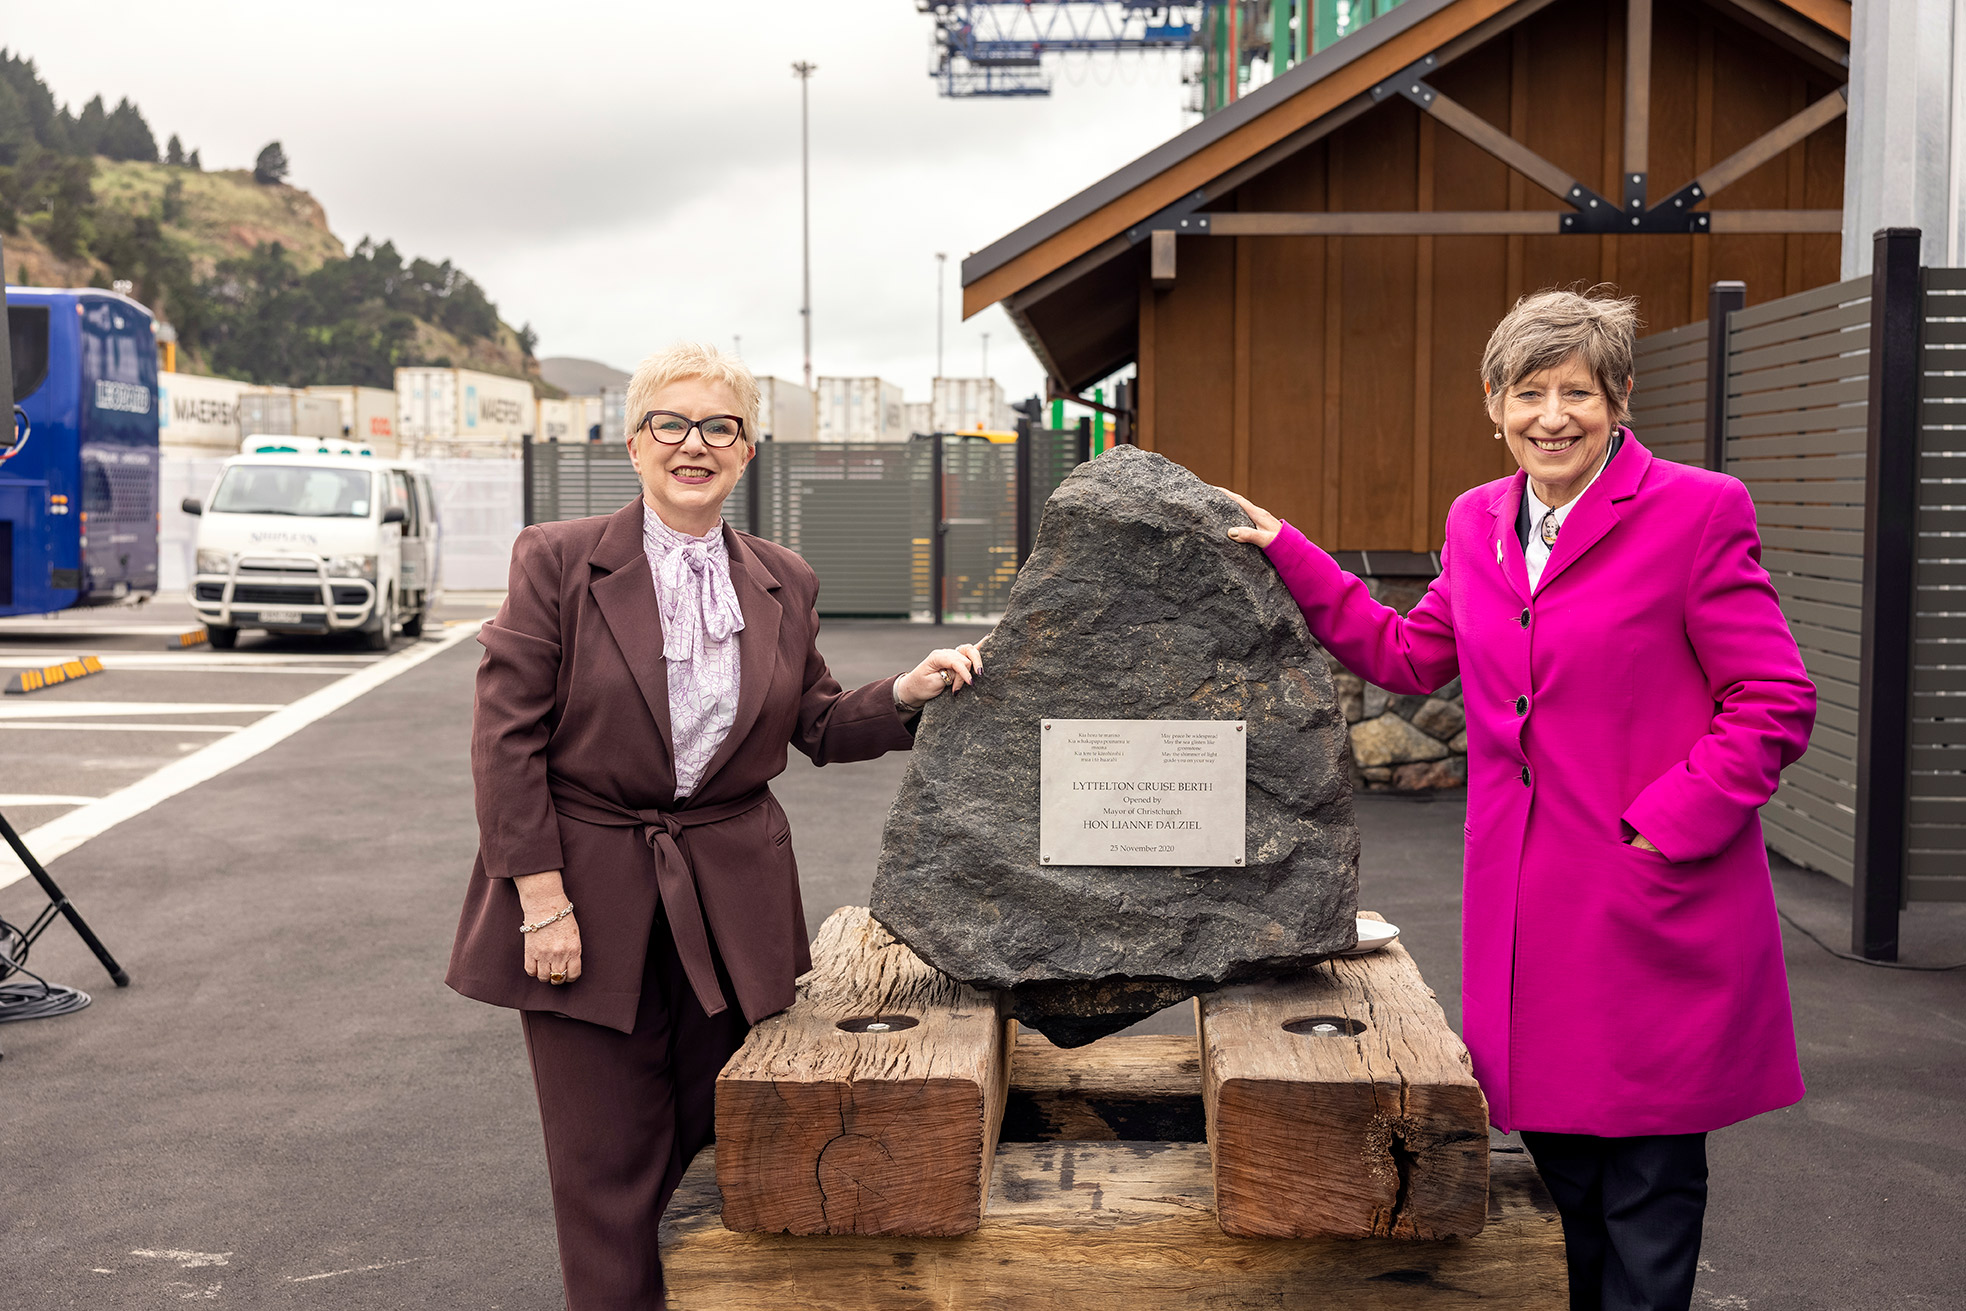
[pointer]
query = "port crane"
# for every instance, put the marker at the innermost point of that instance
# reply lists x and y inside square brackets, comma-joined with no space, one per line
[997,48]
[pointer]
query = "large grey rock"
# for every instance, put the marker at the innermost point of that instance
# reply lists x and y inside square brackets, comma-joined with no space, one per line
[1133,605]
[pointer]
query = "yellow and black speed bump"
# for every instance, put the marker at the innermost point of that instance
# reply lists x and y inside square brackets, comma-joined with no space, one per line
[33,680]
[182,641]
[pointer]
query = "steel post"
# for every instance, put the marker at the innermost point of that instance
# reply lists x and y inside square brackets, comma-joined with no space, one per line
[1890,552]
[1723,298]
[937,564]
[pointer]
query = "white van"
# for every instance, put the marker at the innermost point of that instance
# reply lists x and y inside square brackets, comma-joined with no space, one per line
[307,536]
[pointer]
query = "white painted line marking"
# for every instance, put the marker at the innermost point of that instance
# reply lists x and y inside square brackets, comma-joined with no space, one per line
[58,837]
[185,1260]
[92,709]
[41,799]
[353,1270]
[72,726]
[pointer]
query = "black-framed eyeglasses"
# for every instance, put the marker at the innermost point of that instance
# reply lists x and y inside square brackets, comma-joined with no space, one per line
[672,429]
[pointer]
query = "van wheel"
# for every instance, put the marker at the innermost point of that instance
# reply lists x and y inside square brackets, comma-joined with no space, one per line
[222,639]
[413,626]
[377,638]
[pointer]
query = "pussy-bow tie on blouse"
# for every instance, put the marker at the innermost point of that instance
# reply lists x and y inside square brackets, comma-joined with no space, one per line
[698,599]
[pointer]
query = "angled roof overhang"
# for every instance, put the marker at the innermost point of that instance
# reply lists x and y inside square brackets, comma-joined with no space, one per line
[1069,278]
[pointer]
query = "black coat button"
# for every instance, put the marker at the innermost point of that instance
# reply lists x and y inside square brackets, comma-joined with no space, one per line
[1525,776]
[1522,705]
[1525,619]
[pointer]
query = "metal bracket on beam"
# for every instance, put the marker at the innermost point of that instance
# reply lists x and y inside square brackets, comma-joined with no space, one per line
[1179,218]
[1634,194]
[1409,82]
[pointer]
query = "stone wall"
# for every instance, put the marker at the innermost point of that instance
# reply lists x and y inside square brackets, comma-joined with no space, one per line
[1402,743]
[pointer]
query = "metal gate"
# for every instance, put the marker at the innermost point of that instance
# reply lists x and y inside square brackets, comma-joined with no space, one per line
[864,515]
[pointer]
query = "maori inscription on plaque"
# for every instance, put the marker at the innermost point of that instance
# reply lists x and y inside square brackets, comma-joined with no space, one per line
[1142,792]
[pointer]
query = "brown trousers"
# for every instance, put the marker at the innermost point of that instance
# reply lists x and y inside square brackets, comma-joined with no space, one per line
[624,1114]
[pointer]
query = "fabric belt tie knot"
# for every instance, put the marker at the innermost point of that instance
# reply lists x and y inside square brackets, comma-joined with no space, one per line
[697,599]
[675,877]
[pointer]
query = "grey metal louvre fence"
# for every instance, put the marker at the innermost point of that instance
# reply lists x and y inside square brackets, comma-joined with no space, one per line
[979,518]
[571,480]
[1796,435]
[1935,859]
[1669,399]
[858,513]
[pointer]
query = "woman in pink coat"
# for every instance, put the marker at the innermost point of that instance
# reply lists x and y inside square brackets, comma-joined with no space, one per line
[1632,693]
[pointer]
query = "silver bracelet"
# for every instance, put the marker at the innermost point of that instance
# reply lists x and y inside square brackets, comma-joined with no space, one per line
[554,918]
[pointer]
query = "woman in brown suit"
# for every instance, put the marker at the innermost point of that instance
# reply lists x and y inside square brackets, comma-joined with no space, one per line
[639,689]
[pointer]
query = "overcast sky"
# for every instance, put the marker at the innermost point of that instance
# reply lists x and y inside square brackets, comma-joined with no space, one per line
[621,175]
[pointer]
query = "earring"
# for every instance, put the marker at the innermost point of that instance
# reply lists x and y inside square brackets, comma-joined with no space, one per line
[1498,436]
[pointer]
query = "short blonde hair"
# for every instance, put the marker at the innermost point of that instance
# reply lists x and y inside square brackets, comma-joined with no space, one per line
[692,359]
[1548,327]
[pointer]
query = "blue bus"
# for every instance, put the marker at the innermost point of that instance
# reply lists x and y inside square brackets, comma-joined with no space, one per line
[78,497]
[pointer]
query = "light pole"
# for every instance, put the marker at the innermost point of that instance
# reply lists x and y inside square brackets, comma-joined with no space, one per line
[804,71]
[986,355]
[941,277]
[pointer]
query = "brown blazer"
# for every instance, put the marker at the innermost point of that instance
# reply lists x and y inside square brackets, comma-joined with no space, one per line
[571,757]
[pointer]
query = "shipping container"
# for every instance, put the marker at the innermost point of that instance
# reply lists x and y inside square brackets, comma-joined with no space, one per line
[555,423]
[787,412]
[614,414]
[586,418]
[967,405]
[860,410]
[199,414]
[461,412]
[368,415]
[285,412]
[918,416]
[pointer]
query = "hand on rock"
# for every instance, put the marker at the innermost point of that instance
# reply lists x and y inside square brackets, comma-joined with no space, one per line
[1266,524]
[943,669]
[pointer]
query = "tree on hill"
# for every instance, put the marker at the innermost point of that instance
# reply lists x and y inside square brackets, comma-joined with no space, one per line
[85,137]
[271,166]
[174,152]
[126,136]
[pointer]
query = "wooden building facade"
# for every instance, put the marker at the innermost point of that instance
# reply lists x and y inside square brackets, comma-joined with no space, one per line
[1306,279]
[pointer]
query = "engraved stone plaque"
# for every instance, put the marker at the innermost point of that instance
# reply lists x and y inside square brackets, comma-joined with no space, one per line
[1142,792]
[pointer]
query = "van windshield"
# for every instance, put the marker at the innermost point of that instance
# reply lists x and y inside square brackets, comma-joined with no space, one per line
[293,489]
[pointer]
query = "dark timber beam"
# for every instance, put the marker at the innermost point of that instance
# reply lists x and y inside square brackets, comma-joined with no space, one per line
[1411,84]
[1410,223]
[1758,152]
[1638,100]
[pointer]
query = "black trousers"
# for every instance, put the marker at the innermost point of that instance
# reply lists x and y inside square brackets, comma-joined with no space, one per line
[624,1114]
[1632,1212]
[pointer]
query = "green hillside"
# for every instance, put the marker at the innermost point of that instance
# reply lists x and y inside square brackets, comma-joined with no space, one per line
[244,267]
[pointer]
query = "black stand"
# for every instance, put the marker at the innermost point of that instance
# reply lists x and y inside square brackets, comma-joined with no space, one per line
[58,904]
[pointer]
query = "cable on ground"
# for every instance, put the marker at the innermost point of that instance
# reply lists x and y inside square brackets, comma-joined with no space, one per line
[1864,960]
[39,1000]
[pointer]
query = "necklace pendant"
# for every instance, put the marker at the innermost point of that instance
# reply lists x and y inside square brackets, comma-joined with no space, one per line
[1550,527]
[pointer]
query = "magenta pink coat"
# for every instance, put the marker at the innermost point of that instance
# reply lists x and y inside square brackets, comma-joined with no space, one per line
[1651,685]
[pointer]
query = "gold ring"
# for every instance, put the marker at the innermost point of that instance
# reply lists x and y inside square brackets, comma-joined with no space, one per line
[947,677]
[557,976]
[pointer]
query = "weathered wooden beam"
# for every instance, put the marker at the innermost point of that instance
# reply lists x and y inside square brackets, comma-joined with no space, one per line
[1129,1087]
[1776,220]
[1114,1227]
[1453,114]
[1341,1103]
[1383,223]
[1160,258]
[1638,93]
[829,1126]
[1774,141]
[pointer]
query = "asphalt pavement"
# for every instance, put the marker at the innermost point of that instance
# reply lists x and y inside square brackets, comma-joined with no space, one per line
[286,1108]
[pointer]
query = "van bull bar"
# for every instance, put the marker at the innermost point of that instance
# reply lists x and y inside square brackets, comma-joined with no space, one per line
[292,592]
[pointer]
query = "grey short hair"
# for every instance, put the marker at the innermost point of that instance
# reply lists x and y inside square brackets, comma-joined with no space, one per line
[1548,327]
[693,359]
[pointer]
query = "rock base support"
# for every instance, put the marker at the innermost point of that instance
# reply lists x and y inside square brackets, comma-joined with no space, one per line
[1112,1207]
[1340,1103]
[871,1106]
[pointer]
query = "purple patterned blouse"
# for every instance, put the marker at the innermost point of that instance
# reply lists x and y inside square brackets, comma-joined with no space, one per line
[700,624]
